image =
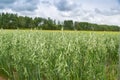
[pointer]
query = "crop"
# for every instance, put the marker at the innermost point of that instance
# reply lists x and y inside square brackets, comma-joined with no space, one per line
[59,55]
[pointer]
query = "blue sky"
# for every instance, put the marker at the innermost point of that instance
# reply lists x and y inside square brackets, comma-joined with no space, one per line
[95,11]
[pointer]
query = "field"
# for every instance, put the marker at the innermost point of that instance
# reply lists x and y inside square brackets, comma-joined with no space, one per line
[59,55]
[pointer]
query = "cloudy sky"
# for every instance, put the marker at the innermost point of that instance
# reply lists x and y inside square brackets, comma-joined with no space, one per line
[95,11]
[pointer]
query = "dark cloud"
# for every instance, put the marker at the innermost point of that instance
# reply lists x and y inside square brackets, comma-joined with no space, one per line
[65,5]
[97,11]
[119,1]
[7,1]
[25,5]
[45,2]
[19,5]
[1,6]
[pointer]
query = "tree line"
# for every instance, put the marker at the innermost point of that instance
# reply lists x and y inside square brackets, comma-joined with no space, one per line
[13,21]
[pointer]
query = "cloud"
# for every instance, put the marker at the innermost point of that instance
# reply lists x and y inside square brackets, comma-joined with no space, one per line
[7,1]
[24,5]
[1,6]
[109,12]
[65,5]
[95,11]
[19,5]
[119,1]
[46,2]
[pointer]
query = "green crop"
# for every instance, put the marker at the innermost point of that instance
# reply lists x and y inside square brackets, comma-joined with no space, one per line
[49,55]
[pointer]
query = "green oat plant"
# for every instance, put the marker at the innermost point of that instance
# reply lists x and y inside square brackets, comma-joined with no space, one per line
[119,59]
[59,55]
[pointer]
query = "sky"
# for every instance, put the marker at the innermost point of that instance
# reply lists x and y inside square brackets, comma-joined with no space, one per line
[94,11]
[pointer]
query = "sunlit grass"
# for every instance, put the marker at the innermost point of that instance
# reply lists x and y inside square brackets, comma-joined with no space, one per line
[59,55]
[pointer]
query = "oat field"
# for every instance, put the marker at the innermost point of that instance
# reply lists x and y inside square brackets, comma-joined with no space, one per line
[59,55]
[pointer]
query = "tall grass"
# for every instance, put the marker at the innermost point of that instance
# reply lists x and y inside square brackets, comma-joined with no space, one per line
[45,55]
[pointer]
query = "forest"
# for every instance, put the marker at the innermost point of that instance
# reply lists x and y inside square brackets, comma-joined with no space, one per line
[13,21]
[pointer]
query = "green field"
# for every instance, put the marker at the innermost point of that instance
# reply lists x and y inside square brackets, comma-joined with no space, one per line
[57,55]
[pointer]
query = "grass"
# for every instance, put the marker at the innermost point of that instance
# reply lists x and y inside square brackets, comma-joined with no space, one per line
[57,55]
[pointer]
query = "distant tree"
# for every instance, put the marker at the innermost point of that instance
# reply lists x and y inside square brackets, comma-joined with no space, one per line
[13,21]
[68,25]
[0,20]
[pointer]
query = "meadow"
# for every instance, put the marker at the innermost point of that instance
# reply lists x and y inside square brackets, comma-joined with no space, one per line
[59,55]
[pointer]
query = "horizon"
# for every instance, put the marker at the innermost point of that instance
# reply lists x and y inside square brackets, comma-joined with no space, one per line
[98,12]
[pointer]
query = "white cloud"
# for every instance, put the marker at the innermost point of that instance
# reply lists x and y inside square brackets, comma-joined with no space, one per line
[102,11]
